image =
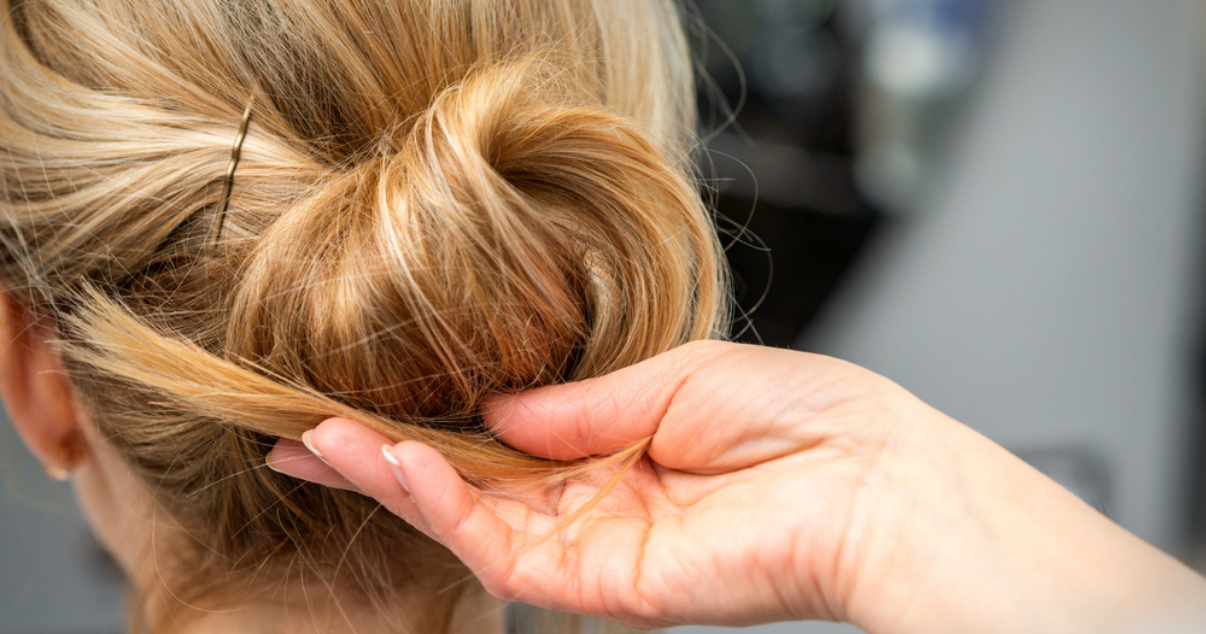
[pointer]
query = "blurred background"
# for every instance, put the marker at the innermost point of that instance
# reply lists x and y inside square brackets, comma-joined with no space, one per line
[996,203]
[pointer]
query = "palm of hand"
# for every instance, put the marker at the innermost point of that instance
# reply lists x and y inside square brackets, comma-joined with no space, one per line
[775,486]
[718,522]
[733,549]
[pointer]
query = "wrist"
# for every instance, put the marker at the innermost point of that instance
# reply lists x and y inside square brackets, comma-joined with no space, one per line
[970,538]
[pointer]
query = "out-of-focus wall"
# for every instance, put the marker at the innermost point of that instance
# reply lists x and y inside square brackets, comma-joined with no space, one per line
[54,579]
[1043,288]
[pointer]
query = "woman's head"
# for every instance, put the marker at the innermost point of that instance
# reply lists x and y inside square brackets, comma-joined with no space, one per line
[436,201]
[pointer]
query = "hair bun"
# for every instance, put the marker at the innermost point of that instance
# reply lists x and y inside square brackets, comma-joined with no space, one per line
[514,235]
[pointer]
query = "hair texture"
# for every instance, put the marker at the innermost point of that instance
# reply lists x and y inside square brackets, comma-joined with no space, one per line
[437,200]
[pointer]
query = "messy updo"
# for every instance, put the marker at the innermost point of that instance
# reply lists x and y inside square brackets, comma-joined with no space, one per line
[437,200]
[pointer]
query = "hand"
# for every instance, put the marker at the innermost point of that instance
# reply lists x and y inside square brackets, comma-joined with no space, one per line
[776,486]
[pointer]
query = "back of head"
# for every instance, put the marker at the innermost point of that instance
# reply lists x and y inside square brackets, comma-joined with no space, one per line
[436,201]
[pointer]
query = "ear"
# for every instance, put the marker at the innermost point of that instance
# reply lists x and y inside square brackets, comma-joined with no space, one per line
[36,393]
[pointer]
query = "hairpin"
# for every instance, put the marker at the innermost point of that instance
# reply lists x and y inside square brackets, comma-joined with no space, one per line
[228,182]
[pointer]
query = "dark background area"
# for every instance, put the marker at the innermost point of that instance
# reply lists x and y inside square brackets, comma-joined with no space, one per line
[792,215]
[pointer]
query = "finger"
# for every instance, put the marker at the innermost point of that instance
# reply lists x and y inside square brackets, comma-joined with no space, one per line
[293,459]
[709,408]
[465,522]
[599,415]
[355,451]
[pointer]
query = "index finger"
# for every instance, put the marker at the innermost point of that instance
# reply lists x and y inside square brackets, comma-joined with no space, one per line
[599,415]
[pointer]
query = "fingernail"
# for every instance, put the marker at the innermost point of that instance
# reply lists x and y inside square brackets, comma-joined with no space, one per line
[272,465]
[306,437]
[395,466]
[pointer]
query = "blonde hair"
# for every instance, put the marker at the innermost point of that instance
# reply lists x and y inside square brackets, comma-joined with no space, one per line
[437,200]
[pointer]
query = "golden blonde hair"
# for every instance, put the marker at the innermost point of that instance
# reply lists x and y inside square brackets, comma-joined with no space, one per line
[437,200]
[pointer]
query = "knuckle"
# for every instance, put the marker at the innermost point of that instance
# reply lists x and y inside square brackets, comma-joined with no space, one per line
[501,591]
[502,584]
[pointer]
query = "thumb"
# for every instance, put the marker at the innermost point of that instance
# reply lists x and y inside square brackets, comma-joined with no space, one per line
[600,415]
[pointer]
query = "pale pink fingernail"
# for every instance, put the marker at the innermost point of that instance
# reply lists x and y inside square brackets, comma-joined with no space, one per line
[306,437]
[395,466]
[271,464]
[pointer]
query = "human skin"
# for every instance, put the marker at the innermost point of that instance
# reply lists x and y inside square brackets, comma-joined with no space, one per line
[776,486]
[141,536]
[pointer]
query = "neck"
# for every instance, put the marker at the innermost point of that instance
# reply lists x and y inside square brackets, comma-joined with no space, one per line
[316,611]
[147,543]
[474,615]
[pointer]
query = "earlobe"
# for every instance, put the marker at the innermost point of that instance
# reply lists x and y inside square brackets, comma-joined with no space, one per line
[57,473]
[36,393]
